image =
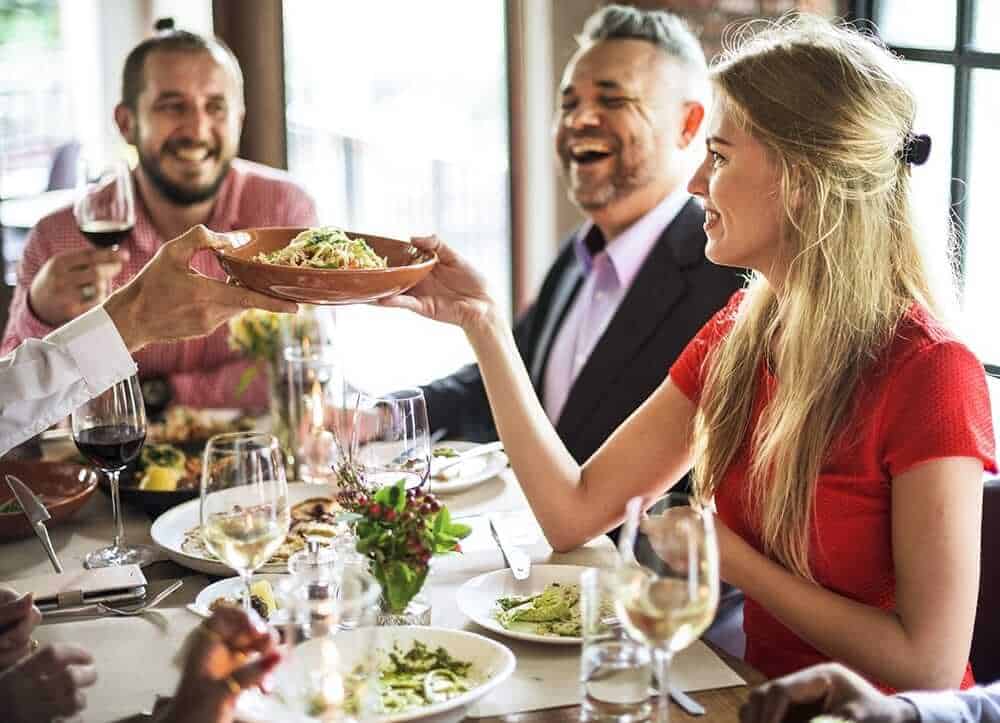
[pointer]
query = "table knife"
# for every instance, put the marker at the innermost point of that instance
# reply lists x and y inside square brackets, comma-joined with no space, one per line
[516,558]
[36,513]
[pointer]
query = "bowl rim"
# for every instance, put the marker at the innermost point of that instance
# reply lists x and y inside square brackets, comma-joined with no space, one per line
[429,258]
[92,473]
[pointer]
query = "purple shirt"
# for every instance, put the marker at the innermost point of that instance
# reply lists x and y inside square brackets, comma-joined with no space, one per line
[608,275]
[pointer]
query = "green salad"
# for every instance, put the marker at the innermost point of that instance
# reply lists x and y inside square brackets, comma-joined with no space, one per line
[553,611]
[420,677]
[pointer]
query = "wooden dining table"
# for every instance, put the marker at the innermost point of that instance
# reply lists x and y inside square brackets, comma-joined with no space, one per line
[137,657]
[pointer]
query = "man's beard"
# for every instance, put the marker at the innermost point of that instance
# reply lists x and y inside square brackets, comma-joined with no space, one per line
[625,178]
[180,195]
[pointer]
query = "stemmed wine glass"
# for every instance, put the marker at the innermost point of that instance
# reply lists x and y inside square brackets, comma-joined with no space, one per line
[244,501]
[668,582]
[110,430]
[105,209]
[392,439]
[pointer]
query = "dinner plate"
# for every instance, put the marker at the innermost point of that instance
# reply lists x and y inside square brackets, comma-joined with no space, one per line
[407,266]
[232,588]
[169,529]
[470,473]
[477,598]
[492,663]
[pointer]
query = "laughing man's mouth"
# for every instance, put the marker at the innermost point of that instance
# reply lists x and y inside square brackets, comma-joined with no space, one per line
[588,151]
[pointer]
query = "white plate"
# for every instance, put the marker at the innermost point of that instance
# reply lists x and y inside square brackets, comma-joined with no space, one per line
[169,529]
[477,598]
[232,588]
[471,472]
[492,663]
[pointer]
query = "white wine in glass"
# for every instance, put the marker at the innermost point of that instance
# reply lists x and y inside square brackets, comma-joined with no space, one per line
[668,582]
[244,501]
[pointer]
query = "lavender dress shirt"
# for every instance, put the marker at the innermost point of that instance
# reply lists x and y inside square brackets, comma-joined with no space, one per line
[608,275]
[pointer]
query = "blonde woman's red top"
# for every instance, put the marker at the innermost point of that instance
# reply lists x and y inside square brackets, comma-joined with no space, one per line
[925,399]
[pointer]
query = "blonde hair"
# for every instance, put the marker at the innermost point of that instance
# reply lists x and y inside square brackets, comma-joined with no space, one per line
[830,108]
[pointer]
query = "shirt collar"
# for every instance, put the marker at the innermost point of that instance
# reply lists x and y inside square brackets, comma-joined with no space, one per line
[628,250]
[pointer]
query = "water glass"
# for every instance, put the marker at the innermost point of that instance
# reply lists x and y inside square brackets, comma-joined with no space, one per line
[392,439]
[315,392]
[615,670]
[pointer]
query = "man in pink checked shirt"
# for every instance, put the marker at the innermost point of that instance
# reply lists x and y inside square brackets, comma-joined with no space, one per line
[182,108]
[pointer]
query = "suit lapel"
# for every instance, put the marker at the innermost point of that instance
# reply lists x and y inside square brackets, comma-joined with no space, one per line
[660,284]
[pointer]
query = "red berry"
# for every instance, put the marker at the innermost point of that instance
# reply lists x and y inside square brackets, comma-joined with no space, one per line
[375,510]
[435,505]
[390,515]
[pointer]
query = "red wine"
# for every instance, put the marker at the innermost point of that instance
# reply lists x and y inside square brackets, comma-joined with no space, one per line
[111,446]
[106,233]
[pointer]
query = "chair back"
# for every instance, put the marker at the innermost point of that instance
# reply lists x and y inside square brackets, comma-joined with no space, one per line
[985,655]
[63,171]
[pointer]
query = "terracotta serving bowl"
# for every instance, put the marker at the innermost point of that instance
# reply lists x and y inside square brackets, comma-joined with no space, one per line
[407,266]
[62,487]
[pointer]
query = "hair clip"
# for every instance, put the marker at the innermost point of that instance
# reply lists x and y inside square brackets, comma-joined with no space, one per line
[164,25]
[916,149]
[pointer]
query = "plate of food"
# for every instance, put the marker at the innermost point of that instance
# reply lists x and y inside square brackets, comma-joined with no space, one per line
[168,470]
[422,673]
[314,516]
[324,265]
[265,596]
[462,475]
[63,488]
[545,608]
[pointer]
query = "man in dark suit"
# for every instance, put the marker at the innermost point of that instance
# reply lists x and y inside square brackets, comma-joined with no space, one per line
[632,285]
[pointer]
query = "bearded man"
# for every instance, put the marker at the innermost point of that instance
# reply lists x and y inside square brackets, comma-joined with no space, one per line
[182,109]
[632,285]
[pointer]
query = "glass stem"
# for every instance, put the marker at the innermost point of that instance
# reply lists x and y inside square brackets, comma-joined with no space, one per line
[661,663]
[247,577]
[116,509]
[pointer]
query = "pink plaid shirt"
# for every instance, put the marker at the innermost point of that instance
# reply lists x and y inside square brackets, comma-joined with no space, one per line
[203,372]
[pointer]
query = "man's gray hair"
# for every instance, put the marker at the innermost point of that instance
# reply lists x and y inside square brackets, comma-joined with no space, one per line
[663,29]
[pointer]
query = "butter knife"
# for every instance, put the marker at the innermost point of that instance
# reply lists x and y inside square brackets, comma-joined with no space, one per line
[36,513]
[516,558]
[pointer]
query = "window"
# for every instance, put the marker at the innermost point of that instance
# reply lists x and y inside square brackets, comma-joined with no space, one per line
[952,54]
[396,118]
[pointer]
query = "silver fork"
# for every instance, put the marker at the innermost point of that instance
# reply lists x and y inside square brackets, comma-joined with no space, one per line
[145,607]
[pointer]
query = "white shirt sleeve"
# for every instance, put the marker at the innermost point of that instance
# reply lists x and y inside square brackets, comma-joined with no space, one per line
[981,703]
[43,380]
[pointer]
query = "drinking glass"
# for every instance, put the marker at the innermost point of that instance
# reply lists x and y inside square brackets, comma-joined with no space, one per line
[668,580]
[315,391]
[105,209]
[244,501]
[110,430]
[614,668]
[392,438]
[330,670]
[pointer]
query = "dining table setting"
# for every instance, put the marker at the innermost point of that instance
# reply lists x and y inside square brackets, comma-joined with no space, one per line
[404,569]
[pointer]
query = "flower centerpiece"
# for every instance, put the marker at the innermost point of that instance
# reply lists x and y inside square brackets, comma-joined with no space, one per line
[399,531]
[256,334]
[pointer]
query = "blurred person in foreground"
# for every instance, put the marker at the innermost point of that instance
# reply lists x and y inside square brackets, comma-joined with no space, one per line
[182,108]
[833,690]
[838,425]
[43,380]
[631,286]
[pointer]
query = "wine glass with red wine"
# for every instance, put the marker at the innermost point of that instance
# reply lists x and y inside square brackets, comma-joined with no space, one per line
[110,430]
[105,209]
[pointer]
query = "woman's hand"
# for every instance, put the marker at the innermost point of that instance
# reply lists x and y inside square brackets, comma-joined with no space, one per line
[829,689]
[47,685]
[228,653]
[454,292]
[18,617]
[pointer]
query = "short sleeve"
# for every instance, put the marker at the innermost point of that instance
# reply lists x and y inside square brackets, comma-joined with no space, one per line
[937,406]
[688,370]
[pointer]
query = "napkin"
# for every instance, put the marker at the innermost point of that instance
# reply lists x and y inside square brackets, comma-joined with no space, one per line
[548,676]
[83,587]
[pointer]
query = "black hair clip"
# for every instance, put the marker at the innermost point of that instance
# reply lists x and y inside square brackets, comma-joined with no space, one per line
[164,25]
[916,149]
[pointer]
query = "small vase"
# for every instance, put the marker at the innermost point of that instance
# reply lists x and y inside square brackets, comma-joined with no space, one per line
[277,387]
[417,612]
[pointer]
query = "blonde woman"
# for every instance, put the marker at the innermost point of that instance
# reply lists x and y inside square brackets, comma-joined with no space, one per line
[840,427]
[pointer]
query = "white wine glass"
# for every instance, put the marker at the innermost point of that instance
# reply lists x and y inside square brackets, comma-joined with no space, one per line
[392,439]
[109,430]
[244,501]
[668,580]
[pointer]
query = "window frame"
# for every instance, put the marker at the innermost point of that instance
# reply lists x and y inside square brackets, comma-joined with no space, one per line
[963,58]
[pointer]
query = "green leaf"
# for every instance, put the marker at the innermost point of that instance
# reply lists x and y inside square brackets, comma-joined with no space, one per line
[245,378]
[457,529]
[400,583]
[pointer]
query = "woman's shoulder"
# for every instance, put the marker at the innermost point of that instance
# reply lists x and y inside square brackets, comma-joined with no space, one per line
[922,337]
